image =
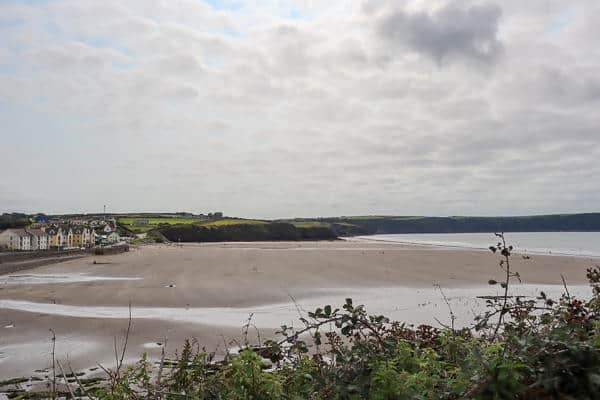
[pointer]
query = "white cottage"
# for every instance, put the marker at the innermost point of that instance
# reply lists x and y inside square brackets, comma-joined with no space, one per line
[15,239]
[38,239]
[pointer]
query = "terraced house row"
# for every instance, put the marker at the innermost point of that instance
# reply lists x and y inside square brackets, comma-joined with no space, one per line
[71,236]
[47,237]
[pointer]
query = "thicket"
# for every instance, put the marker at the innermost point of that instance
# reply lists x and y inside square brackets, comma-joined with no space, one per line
[14,220]
[243,232]
[520,348]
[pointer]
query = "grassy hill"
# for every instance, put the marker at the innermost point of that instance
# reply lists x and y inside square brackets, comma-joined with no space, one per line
[155,222]
[175,228]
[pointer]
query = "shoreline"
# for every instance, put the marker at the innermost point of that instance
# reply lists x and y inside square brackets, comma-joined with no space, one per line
[366,238]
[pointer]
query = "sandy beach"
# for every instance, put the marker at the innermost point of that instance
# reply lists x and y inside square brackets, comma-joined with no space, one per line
[204,291]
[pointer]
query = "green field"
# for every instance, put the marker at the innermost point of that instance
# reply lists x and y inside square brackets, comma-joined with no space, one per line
[309,224]
[154,222]
[231,221]
[160,220]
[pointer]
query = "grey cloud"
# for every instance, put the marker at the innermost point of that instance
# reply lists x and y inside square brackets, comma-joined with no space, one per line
[75,55]
[180,64]
[446,33]
[304,117]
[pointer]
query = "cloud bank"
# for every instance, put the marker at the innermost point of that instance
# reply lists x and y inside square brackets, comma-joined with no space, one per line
[300,108]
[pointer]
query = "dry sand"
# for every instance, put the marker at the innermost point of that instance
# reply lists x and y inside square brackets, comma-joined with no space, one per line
[241,274]
[230,275]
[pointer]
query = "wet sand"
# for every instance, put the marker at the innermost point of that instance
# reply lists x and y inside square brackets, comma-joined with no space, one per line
[237,276]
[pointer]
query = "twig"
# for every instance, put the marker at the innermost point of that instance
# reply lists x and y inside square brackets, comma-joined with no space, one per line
[104,369]
[297,334]
[452,316]
[245,329]
[126,339]
[83,391]
[506,254]
[53,364]
[65,378]
[565,286]
[162,364]
[257,335]
[299,310]
[118,360]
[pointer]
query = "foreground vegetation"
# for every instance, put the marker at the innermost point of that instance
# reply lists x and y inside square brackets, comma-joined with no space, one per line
[520,348]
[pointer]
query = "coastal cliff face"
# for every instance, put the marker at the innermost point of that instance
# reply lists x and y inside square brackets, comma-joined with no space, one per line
[277,231]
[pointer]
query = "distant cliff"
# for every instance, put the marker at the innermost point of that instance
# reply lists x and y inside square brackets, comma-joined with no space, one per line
[370,225]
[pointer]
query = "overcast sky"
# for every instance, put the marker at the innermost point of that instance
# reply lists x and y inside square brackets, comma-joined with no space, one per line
[280,108]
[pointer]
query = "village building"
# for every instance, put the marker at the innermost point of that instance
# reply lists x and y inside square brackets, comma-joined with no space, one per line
[38,239]
[113,238]
[103,238]
[15,239]
[68,237]
[80,237]
[55,237]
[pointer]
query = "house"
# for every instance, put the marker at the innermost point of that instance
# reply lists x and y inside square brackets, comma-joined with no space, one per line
[55,237]
[113,237]
[15,239]
[89,237]
[103,238]
[69,237]
[41,218]
[81,237]
[78,233]
[38,239]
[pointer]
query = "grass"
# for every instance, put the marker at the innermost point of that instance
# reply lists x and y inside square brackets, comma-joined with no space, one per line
[141,229]
[159,220]
[364,217]
[13,381]
[391,217]
[154,222]
[310,224]
[231,221]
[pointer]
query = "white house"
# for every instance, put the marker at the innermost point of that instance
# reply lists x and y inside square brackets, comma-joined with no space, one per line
[113,237]
[15,239]
[38,239]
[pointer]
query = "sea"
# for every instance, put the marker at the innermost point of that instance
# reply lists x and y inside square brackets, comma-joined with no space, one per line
[584,244]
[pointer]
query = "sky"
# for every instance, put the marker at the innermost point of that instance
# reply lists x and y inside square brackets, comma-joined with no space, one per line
[297,108]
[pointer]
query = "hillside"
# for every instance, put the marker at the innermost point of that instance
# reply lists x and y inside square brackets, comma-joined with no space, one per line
[369,225]
[243,232]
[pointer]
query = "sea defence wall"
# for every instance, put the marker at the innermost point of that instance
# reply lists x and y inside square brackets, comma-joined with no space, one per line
[28,255]
[105,251]
[20,261]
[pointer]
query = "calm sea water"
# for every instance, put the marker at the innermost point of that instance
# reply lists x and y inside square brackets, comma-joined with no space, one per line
[558,243]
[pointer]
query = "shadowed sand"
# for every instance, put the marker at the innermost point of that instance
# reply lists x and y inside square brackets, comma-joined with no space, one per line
[236,276]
